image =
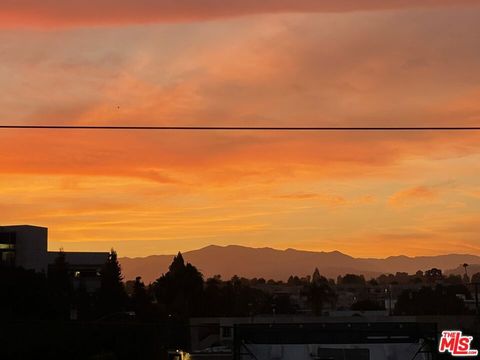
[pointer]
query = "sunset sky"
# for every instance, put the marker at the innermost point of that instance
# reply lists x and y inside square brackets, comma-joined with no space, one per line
[234,63]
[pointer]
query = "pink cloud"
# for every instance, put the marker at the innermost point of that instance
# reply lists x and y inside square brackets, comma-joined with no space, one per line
[53,13]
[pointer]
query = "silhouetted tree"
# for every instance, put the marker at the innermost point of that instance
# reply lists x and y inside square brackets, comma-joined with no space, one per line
[453,279]
[476,278]
[84,303]
[320,292]
[351,279]
[384,279]
[180,289]
[316,277]
[433,275]
[402,277]
[58,275]
[244,300]
[139,295]
[60,285]
[258,281]
[25,295]
[466,279]
[140,300]
[283,304]
[431,301]
[111,295]
[214,302]
[294,281]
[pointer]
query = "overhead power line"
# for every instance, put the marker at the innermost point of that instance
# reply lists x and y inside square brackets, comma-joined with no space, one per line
[241,128]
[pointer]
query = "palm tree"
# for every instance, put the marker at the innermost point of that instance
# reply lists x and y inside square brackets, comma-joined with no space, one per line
[465,277]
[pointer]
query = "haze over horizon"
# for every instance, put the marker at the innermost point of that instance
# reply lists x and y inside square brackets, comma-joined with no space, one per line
[236,246]
[249,63]
[269,263]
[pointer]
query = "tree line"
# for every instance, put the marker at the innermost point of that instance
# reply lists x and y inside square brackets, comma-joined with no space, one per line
[182,292]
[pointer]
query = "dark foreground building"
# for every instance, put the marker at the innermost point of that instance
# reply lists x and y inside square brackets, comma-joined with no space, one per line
[26,246]
[294,337]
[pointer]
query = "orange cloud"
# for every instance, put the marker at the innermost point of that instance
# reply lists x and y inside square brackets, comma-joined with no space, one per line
[107,12]
[185,190]
[196,159]
[328,199]
[414,195]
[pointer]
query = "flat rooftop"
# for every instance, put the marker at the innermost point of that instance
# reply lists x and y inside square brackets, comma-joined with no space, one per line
[84,258]
[20,227]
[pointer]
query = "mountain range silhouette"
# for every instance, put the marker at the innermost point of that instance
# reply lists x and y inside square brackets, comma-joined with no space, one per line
[269,263]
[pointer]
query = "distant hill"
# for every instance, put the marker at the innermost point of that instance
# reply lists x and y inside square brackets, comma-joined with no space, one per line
[280,264]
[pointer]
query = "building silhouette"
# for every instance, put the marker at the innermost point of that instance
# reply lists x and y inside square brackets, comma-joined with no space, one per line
[26,246]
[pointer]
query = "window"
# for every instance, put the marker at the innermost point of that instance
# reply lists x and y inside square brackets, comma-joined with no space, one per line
[226,332]
[7,248]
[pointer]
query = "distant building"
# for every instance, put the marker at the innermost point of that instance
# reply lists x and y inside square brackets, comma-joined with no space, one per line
[84,267]
[26,246]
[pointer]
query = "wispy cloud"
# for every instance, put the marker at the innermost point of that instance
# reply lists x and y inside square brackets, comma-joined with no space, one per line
[328,199]
[54,13]
[414,196]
